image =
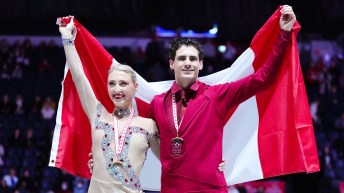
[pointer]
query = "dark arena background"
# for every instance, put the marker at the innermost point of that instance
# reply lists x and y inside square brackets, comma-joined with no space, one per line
[136,32]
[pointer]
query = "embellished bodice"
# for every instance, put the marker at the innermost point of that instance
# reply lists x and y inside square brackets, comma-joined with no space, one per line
[131,157]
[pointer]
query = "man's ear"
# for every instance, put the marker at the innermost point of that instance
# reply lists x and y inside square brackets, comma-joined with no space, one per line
[171,64]
[201,65]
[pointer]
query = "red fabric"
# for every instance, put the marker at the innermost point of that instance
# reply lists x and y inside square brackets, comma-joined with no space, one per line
[75,140]
[341,187]
[290,136]
[182,106]
[182,98]
[197,186]
[197,136]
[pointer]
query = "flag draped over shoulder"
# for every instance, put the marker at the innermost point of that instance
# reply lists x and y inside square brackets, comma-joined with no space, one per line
[270,134]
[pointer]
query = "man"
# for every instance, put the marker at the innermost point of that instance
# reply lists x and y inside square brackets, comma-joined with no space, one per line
[191,115]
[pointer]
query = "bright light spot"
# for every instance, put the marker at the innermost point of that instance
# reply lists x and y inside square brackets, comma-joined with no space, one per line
[222,48]
[213,30]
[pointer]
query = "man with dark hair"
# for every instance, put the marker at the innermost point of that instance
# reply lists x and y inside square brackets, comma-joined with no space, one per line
[191,115]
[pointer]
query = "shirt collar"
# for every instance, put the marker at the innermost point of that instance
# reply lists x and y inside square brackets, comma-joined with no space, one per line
[176,88]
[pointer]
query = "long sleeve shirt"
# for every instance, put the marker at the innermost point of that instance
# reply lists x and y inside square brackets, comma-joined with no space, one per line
[202,126]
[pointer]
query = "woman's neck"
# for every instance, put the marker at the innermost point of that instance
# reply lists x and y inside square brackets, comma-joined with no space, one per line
[121,112]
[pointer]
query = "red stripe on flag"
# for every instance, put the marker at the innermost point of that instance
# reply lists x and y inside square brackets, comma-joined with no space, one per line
[230,113]
[75,135]
[74,146]
[142,107]
[282,147]
[96,62]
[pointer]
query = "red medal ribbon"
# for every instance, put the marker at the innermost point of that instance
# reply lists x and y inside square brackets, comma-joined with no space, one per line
[119,146]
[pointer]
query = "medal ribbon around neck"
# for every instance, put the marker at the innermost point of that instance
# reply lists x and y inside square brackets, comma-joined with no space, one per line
[177,148]
[119,146]
[174,112]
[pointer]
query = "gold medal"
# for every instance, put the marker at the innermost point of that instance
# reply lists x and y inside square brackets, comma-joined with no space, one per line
[117,163]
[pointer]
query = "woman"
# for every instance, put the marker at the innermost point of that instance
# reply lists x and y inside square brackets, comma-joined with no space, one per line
[120,139]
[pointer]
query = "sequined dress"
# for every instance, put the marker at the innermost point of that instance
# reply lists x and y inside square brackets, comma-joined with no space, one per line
[108,177]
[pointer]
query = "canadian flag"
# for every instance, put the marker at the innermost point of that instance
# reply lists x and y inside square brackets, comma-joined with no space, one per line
[268,135]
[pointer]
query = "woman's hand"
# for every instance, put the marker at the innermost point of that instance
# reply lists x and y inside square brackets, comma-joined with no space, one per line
[67,29]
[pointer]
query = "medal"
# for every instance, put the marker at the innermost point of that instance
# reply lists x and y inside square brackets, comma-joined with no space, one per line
[117,163]
[120,143]
[176,147]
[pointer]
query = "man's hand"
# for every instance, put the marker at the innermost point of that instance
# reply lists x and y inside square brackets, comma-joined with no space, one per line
[90,162]
[288,18]
[222,166]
